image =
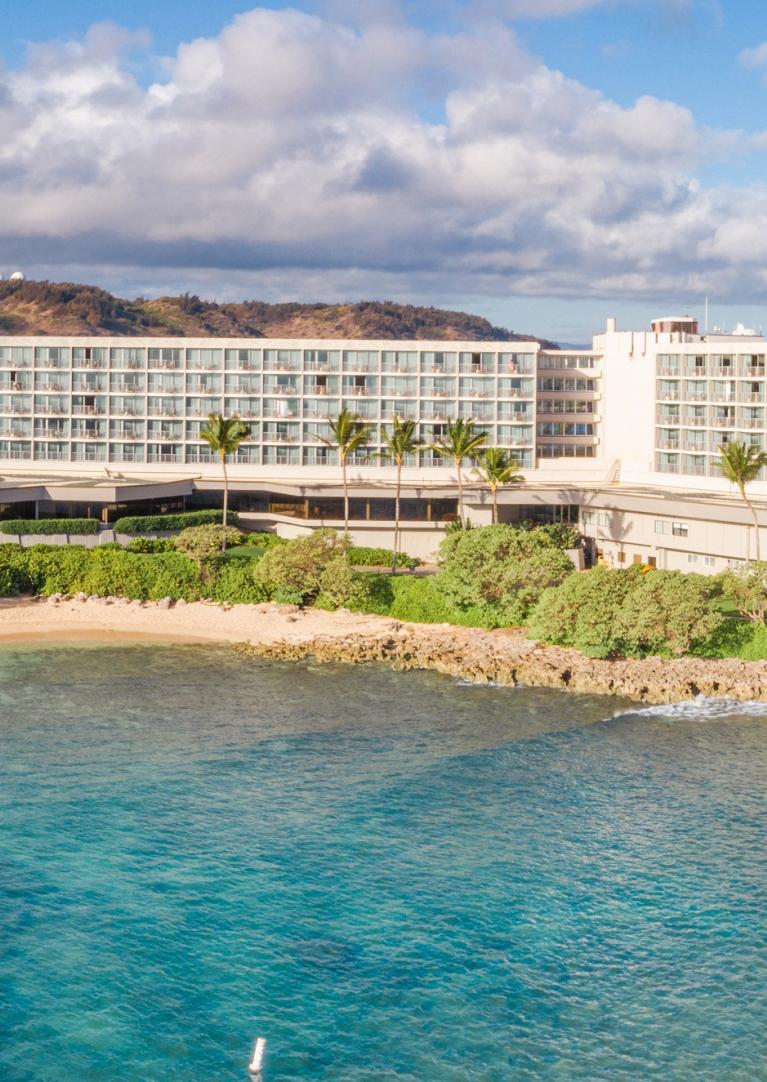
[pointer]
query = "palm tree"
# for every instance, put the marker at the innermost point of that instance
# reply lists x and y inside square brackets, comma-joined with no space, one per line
[740,464]
[462,441]
[224,435]
[399,443]
[497,467]
[349,433]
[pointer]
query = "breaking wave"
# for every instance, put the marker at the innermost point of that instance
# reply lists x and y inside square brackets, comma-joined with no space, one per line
[701,708]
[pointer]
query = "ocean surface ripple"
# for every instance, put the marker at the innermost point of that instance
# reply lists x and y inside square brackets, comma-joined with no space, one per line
[389,876]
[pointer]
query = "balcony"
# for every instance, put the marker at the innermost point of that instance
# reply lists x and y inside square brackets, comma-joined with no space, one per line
[161,456]
[723,422]
[693,422]
[81,387]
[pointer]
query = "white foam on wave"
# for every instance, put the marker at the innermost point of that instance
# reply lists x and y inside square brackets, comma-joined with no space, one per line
[701,708]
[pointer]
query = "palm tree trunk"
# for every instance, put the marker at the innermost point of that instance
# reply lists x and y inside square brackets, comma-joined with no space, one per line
[494,489]
[226,502]
[346,496]
[395,553]
[755,517]
[458,463]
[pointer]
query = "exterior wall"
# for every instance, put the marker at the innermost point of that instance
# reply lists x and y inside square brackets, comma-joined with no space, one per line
[75,403]
[688,534]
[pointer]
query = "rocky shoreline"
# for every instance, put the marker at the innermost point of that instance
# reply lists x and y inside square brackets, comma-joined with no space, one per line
[285,632]
[509,659]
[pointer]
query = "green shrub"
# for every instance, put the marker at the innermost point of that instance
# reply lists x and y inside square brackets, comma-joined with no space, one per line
[603,613]
[180,521]
[735,638]
[583,612]
[14,575]
[366,556]
[340,585]
[561,535]
[233,583]
[151,544]
[261,539]
[203,542]
[500,571]
[293,572]
[49,525]
[54,569]
[104,571]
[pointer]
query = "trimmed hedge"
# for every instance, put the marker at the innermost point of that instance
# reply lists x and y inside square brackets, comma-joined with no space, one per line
[181,521]
[49,525]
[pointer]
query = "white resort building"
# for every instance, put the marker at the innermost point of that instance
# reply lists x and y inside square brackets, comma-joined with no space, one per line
[621,440]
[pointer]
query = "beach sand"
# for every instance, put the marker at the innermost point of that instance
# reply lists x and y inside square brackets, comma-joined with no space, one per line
[101,619]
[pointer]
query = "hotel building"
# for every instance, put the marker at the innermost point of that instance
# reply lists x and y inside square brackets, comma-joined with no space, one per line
[621,439]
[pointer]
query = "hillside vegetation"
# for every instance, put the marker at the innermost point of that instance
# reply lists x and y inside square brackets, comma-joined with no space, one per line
[64,308]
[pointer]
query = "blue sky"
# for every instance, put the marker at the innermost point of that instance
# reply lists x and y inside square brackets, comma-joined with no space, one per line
[544,162]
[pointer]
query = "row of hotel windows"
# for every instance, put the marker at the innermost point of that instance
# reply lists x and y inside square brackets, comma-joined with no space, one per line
[713,416]
[694,465]
[279,431]
[701,390]
[700,364]
[249,409]
[674,439]
[247,455]
[368,386]
[295,360]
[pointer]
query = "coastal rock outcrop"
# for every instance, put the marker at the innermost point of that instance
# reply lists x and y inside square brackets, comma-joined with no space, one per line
[508,658]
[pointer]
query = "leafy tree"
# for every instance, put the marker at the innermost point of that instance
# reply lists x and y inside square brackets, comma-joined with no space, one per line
[293,572]
[747,588]
[349,433]
[741,463]
[462,441]
[224,435]
[399,442]
[497,467]
[500,570]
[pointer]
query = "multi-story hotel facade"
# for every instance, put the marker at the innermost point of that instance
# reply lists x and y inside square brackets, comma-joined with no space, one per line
[622,438]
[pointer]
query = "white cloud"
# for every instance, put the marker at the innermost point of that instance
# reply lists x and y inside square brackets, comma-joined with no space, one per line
[289,152]
[756,57]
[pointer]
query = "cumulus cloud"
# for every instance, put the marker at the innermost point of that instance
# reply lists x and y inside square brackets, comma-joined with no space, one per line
[306,156]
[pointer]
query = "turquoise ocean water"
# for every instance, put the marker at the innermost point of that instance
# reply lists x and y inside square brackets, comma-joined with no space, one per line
[390,876]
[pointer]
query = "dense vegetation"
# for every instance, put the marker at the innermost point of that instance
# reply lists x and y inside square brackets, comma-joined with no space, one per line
[488,577]
[72,309]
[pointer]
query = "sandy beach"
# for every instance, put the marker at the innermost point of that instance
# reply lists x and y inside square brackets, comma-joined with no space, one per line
[286,633]
[73,619]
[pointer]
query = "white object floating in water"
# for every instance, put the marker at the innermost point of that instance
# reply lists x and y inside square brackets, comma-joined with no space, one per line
[256,1065]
